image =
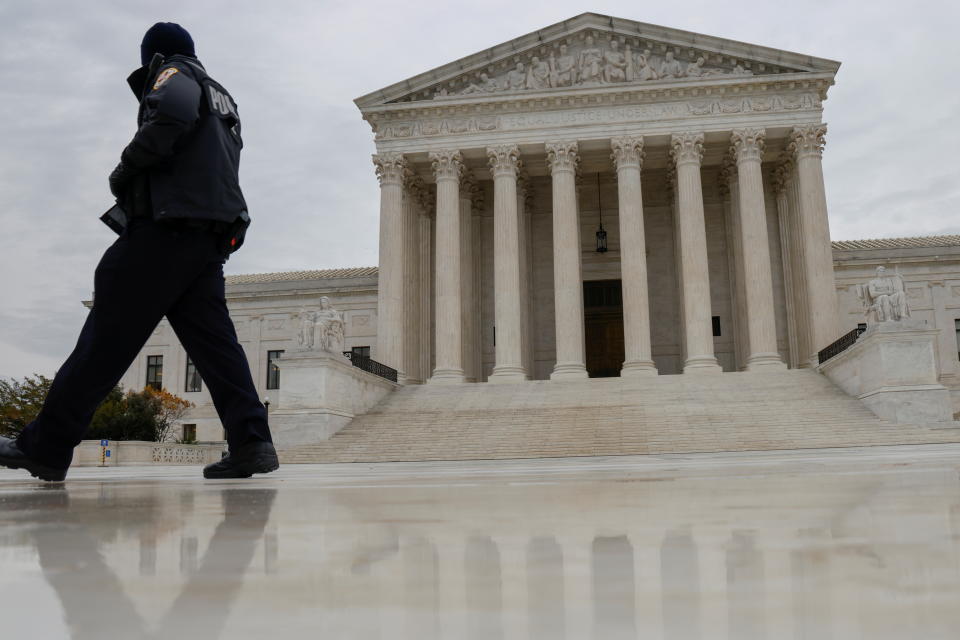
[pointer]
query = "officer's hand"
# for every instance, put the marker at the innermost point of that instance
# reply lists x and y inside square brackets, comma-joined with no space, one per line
[120,178]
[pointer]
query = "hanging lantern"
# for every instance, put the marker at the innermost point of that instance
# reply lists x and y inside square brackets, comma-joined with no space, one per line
[601,234]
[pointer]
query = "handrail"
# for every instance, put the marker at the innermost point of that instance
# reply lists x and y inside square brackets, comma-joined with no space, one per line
[370,365]
[845,342]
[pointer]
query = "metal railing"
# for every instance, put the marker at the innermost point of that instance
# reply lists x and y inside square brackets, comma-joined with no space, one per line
[841,345]
[370,365]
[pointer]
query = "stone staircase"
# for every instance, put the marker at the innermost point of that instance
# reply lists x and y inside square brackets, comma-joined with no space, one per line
[797,409]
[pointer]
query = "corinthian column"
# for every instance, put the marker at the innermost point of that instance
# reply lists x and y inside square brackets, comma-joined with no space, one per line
[447,167]
[747,147]
[411,280]
[391,169]
[567,273]
[504,164]
[628,158]
[686,149]
[806,144]
[468,189]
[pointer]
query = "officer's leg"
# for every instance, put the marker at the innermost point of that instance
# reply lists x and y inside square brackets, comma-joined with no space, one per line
[202,323]
[133,285]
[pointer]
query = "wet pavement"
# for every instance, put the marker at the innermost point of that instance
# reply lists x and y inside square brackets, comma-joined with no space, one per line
[857,543]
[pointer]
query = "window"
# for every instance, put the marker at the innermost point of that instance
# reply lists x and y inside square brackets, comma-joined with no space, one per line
[273,369]
[189,433]
[956,324]
[716,325]
[194,383]
[155,372]
[359,353]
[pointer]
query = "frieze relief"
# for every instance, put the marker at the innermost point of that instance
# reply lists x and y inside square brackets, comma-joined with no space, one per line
[592,59]
[598,115]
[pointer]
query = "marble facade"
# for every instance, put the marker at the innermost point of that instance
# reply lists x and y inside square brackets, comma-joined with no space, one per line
[716,142]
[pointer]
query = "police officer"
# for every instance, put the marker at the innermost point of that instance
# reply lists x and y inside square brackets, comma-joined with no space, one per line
[177,183]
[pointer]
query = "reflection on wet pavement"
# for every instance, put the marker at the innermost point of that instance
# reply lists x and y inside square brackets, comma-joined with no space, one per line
[812,545]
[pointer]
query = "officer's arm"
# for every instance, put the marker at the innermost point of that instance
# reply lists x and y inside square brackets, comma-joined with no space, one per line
[172,110]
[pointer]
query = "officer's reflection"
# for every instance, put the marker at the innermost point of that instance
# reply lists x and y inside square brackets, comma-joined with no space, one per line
[94,602]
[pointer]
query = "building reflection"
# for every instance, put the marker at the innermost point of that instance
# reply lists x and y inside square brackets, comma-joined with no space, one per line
[680,579]
[484,595]
[745,582]
[614,594]
[546,614]
[421,589]
[420,563]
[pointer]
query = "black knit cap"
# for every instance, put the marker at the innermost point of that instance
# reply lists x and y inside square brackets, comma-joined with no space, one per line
[167,39]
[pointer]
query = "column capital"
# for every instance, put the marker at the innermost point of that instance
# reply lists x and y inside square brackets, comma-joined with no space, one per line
[504,160]
[807,140]
[728,173]
[470,188]
[467,183]
[782,175]
[447,164]
[391,167]
[563,156]
[627,151]
[686,148]
[420,192]
[747,144]
[525,189]
[670,180]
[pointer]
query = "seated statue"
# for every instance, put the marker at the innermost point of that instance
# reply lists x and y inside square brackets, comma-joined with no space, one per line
[329,327]
[616,63]
[671,67]
[321,330]
[884,298]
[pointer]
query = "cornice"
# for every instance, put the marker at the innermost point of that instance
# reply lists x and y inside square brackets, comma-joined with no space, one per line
[619,94]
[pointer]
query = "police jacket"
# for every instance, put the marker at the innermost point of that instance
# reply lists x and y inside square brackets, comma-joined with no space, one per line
[187,147]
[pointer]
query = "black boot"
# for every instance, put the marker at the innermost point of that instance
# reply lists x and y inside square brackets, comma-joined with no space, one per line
[251,458]
[13,458]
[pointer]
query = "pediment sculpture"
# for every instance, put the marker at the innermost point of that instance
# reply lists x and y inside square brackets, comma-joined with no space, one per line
[590,64]
[884,298]
[321,330]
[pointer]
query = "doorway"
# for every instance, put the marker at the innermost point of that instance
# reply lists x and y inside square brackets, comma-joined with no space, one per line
[603,327]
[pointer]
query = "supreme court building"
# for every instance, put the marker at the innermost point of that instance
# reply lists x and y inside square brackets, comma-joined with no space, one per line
[599,198]
[699,156]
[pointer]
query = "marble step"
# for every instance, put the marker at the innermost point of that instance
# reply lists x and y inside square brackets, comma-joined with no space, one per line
[614,416]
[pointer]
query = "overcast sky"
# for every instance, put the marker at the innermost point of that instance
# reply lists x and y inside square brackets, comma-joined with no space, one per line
[294,68]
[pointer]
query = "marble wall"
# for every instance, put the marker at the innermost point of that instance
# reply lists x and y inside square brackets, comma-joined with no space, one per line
[932,282]
[264,315]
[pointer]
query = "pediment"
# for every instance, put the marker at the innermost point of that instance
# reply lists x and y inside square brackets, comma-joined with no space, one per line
[591,51]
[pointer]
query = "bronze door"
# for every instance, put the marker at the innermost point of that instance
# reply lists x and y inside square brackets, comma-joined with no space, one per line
[603,327]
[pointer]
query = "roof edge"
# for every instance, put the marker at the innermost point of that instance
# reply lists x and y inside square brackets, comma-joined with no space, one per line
[678,37]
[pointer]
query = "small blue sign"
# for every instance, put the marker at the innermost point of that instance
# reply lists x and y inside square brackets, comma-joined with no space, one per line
[104,443]
[108,453]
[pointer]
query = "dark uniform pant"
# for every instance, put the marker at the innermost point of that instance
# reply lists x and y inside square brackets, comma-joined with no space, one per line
[152,270]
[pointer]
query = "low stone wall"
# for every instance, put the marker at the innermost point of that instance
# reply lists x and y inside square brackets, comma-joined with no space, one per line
[137,452]
[893,369]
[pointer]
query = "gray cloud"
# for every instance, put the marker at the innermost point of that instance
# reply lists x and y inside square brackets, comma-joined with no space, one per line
[295,67]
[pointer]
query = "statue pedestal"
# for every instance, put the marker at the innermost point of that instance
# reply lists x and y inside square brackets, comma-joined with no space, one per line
[320,393]
[893,369]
